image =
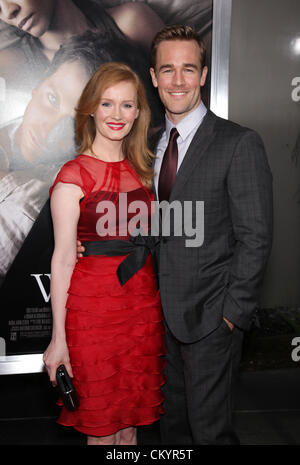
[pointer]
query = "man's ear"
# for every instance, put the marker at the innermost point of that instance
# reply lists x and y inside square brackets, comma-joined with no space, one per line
[203,75]
[153,77]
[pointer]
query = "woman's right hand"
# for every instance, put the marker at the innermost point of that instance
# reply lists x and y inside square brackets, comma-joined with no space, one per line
[57,353]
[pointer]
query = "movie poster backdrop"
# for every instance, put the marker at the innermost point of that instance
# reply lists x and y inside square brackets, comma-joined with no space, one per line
[39,89]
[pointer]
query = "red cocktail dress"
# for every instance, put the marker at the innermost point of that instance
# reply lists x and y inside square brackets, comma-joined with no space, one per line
[114,332]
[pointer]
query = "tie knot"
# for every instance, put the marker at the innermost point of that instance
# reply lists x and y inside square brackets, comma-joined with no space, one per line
[173,134]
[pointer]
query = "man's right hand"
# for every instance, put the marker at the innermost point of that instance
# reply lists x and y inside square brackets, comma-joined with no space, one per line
[80,249]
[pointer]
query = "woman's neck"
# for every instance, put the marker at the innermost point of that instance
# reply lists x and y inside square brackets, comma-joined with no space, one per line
[107,150]
[68,20]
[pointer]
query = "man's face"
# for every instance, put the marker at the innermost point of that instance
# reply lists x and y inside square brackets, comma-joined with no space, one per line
[178,77]
[53,100]
[32,16]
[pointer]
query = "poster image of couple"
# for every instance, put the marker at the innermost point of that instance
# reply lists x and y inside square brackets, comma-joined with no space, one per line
[48,51]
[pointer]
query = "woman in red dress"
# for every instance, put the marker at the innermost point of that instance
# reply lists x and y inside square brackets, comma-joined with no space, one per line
[107,318]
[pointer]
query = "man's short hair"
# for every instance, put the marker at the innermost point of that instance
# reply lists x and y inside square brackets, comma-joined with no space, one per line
[177,32]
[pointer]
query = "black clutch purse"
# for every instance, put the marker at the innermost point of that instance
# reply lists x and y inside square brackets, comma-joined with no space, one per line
[66,389]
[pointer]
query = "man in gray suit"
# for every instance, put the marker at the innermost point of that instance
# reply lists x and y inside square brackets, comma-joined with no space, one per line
[209,293]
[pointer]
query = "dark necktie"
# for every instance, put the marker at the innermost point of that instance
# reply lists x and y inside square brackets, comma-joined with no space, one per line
[168,168]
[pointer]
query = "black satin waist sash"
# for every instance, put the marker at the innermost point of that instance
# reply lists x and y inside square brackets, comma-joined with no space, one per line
[137,248]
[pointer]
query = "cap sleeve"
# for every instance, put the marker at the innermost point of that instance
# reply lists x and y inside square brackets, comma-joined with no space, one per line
[74,173]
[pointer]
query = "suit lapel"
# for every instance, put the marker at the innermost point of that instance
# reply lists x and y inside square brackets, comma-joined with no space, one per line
[197,149]
[195,152]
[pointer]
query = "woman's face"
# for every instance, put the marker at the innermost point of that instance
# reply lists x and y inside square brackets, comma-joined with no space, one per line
[52,103]
[117,111]
[32,16]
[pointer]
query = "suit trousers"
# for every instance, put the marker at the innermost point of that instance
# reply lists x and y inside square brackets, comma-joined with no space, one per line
[199,388]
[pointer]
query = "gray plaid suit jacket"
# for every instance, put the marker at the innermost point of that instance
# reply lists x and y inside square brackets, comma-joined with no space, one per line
[227,168]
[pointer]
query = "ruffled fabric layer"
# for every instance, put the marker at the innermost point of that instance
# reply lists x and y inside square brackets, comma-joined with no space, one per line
[115,340]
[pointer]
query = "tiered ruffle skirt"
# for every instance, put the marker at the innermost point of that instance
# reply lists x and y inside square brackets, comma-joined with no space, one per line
[115,340]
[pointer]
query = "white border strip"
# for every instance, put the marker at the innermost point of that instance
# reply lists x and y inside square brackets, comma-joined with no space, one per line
[220,57]
[21,364]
